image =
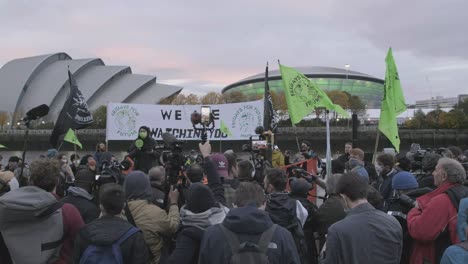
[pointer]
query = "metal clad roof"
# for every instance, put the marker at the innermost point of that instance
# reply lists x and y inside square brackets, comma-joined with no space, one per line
[120,89]
[46,85]
[310,71]
[16,75]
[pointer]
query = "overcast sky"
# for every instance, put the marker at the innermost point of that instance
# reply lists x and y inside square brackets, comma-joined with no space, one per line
[204,45]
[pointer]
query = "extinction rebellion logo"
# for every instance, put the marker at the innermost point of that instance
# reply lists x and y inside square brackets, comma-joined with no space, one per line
[246,119]
[125,118]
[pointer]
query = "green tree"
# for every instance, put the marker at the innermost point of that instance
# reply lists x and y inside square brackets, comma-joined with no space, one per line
[463,106]
[436,118]
[356,105]
[4,117]
[100,117]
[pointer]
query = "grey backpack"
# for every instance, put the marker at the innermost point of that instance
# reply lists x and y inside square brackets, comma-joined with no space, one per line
[248,252]
[31,224]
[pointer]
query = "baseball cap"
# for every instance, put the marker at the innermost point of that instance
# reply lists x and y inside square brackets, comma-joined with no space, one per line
[221,164]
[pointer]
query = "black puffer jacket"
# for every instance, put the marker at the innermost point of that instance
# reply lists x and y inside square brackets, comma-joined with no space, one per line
[106,231]
[83,201]
[282,208]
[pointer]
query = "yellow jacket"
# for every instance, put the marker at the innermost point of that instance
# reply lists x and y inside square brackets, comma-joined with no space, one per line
[277,159]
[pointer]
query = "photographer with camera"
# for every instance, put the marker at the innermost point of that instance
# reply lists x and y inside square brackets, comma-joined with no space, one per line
[142,151]
[404,185]
[428,163]
[204,207]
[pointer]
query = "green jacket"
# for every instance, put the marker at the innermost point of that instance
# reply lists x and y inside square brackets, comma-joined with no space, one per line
[154,222]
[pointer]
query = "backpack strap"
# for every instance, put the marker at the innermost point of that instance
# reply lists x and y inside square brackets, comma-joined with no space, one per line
[265,239]
[50,209]
[129,215]
[457,193]
[130,232]
[232,239]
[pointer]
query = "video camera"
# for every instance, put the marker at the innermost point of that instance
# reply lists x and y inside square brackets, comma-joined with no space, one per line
[110,173]
[298,172]
[171,156]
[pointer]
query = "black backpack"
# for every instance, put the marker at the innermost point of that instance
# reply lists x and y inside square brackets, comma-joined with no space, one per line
[443,241]
[295,228]
[248,252]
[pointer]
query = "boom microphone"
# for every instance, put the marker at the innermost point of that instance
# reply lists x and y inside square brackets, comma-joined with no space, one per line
[36,113]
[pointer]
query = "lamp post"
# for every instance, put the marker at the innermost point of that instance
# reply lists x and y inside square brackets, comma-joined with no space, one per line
[347,68]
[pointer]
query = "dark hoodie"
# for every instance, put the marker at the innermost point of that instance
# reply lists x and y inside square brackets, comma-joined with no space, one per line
[282,208]
[144,157]
[107,230]
[248,223]
[83,201]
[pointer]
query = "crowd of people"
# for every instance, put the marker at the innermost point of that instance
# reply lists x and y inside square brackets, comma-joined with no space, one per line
[405,208]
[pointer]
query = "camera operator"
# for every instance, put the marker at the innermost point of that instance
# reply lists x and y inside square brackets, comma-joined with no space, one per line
[428,164]
[403,184]
[142,150]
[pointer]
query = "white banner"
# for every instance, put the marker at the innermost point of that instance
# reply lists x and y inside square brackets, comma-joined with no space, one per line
[124,120]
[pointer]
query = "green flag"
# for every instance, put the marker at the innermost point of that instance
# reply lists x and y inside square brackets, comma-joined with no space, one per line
[71,137]
[2,146]
[225,129]
[303,96]
[393,102]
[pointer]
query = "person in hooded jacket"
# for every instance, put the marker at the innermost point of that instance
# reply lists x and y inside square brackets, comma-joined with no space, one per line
[204,208]
[81,196]
[142,150]
[284,210]
[108,229]
[299,191]
[100,148]
[152,220]
[248,221]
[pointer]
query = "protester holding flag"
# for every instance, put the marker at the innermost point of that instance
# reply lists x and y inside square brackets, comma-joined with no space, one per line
[142,150]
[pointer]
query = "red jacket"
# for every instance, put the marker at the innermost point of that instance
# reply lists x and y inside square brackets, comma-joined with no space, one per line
[425,224]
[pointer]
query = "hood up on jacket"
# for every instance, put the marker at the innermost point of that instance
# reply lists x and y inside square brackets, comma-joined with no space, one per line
[203,220]
[248,220]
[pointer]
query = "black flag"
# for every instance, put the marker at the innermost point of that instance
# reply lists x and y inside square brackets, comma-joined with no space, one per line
[75,113]
[270,119]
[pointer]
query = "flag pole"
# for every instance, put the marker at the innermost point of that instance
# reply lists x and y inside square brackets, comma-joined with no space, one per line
[328,144]
[297,139]
[74,145]
[374,157]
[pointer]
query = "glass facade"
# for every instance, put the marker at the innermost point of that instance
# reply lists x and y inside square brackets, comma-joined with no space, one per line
[371,93]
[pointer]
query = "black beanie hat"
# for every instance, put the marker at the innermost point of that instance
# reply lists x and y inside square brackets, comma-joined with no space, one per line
[199,198]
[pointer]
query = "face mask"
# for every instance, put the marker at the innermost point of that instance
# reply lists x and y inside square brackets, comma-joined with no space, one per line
[353,163]
[143,134]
